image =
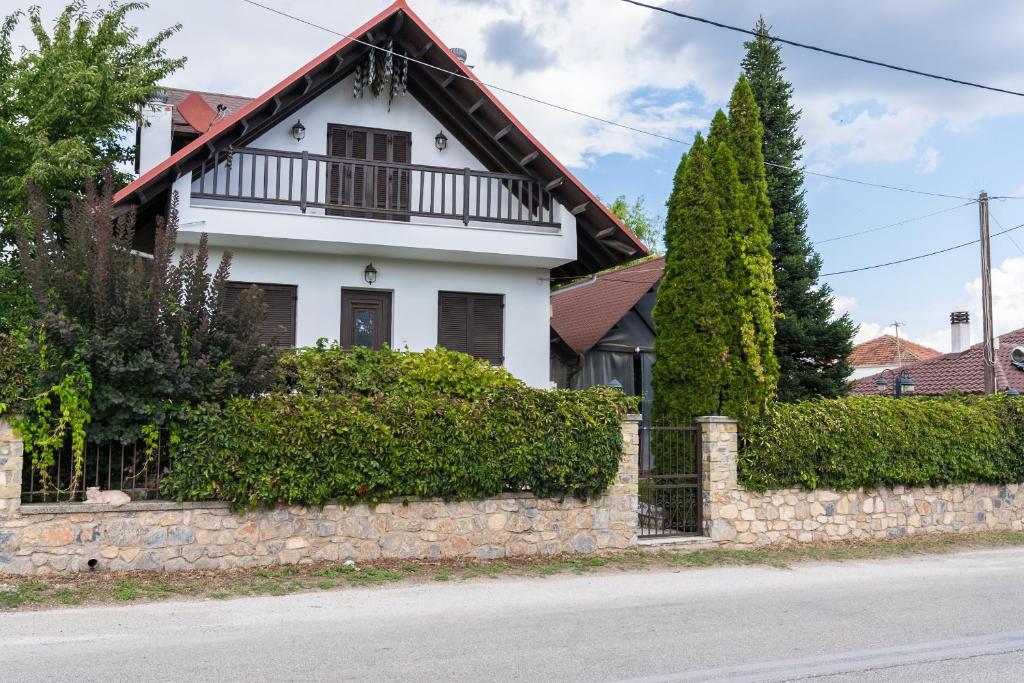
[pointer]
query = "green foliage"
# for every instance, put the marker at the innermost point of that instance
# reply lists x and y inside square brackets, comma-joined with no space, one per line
[150,336]
[16,305]
[17,369]
[67,104]
[380,424]
[692,313]
[647,227]
[811,345]
[868,441]
[715,314]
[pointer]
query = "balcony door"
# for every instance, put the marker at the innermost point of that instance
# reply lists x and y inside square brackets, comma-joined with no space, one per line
[365,318]
[379,186]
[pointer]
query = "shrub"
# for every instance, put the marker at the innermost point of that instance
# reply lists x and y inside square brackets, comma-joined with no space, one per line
[371,425]
[874,441]
[17,369]
[151,334]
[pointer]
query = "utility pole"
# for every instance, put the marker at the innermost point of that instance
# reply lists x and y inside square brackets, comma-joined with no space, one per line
[988,343]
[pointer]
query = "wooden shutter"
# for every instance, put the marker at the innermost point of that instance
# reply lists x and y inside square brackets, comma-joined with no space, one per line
[364,191]
[473,324]
[278,327]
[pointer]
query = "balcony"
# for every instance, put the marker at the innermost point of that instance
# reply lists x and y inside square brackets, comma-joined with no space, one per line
[334,186]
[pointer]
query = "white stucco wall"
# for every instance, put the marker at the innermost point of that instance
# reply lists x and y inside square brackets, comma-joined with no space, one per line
[414,286]
[867,370]
[416,259]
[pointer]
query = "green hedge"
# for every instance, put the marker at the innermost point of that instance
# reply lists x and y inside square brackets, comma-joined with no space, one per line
[367,426]
[873,441]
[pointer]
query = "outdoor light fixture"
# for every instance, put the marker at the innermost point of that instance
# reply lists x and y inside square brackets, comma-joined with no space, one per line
[370,274]
[440,141]
[902,383]
[615,384]
[298,130]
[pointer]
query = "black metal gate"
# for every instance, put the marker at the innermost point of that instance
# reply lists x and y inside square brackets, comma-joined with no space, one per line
[670,475]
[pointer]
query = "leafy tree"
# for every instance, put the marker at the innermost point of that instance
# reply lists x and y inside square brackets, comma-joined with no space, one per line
[691,313]
[812,346]
[130,339]
[715,315]
[647,227]
[66,108]
[754,369]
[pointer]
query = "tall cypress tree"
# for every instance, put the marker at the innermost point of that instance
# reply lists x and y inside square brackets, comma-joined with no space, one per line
[691,348]
[812,348]
[753,366]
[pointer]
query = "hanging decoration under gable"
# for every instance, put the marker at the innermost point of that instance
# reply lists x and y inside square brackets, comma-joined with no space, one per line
[383,71]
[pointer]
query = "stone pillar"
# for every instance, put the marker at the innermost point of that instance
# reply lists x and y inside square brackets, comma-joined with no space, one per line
[719,440]
[626,488]
[11,450]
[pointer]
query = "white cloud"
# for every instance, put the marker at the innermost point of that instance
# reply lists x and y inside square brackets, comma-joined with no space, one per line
[929,161]
[843,304]
[1007,298]
[869,331]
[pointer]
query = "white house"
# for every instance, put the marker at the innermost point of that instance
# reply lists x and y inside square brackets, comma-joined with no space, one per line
[436,220]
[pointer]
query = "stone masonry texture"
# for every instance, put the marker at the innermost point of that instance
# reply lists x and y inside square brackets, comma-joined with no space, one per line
[736,517]
[158,535]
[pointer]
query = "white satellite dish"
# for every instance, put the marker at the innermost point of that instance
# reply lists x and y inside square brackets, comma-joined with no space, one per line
[1017,355]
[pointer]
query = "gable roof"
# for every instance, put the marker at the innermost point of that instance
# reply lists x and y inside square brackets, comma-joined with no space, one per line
[464,105]
[887,350]
[584,313]
[959,372]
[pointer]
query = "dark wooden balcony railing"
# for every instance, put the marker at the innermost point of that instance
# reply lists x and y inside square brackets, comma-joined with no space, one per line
[373,189]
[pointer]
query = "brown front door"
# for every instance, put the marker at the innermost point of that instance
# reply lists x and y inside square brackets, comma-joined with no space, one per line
[365,318]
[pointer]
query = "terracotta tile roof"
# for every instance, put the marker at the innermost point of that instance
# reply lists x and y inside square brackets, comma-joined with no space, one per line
[175,96]
[883,351]
[584,313]
[959,372]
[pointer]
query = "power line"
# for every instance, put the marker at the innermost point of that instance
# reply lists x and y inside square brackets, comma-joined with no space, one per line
[826,51]
[920,256]
[1010,237]
[553,105]
[892,225]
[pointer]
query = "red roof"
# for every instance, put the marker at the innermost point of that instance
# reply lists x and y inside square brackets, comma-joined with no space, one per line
[178,99]
[582,314]
[958,372]
[887,350]
[224,124]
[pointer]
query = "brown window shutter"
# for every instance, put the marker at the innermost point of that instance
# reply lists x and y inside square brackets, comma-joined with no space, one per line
[278,327]
[473,324]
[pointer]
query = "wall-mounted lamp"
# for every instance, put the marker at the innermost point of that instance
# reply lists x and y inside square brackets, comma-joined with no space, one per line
[370,274]
[440,141]
[298,130]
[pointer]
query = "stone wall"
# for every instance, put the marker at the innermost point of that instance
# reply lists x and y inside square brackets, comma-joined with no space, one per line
[737,517]
[38,539]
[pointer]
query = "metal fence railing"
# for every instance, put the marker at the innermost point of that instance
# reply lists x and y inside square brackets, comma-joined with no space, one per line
[131,468]
[670,502]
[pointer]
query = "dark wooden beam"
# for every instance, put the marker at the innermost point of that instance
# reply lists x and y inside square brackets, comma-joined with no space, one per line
[619,246]
[529,158]
[605,232]
[419,54]
[577,210]
[448,81]
[397,24]
[476,105]
[503,132]
[557,182]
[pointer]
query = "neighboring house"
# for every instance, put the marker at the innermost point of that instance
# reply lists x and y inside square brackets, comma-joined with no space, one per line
[603,329]
[439,220]
[887,353]
[959,372]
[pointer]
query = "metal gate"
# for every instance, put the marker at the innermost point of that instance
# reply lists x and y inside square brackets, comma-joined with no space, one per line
[670,475]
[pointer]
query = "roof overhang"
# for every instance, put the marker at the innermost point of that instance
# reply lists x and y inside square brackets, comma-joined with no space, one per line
[452,93]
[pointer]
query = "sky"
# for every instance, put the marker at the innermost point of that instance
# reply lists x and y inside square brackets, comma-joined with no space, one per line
[668,75]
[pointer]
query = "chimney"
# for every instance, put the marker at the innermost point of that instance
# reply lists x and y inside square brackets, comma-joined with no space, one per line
[960,331]
[153,134]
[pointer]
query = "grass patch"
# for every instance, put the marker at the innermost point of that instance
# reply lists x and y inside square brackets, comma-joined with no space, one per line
[443,574]
[490,570]
[371,576]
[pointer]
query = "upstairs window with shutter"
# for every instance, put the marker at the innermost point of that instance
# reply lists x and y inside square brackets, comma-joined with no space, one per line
[278,327]
[363,190]
[473,324]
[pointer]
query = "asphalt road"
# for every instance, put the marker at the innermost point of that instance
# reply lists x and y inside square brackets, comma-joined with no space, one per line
[943,618]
